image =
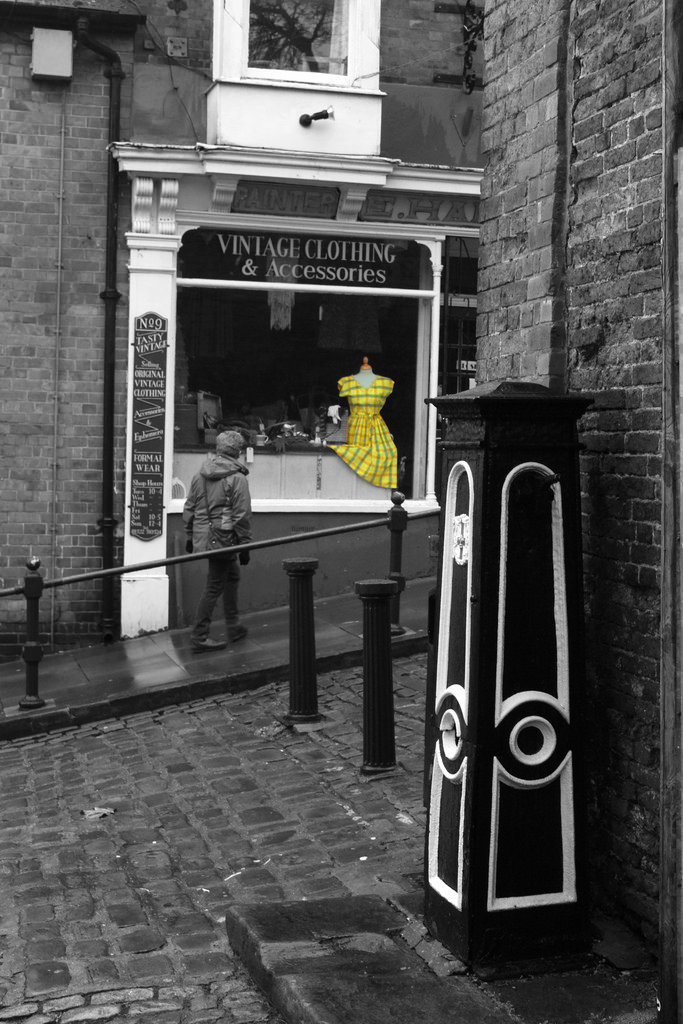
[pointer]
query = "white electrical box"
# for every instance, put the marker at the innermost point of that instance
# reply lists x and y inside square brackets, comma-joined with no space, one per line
[52,55]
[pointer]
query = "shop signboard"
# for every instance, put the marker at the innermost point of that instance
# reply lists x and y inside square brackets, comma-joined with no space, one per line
[280,200]
[150,347]
[420,208]
[270,258]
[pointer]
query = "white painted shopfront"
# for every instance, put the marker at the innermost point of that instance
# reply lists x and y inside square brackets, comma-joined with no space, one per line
[263,265]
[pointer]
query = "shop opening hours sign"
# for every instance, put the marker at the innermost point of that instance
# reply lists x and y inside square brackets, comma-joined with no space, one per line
[150,345]
[269,258]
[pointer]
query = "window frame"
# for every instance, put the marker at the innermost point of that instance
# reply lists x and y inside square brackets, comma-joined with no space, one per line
[231,50]
[302,77]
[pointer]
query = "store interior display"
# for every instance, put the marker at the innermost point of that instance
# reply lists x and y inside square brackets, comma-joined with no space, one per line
[279,388]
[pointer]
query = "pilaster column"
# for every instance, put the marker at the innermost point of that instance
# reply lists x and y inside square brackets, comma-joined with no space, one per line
[149,435]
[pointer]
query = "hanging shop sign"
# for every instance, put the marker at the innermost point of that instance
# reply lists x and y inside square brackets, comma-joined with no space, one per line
[150,347]
[285,200]
[419,208]
[270,258]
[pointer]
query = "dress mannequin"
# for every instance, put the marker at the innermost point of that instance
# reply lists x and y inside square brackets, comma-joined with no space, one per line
[369,449]
[365,376]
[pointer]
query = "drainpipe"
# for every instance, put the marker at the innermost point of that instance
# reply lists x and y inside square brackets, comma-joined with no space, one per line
[670,918]
[56,363]
[110,295]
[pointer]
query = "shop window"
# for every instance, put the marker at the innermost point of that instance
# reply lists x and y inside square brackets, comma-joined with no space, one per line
[299,35]
[266,361]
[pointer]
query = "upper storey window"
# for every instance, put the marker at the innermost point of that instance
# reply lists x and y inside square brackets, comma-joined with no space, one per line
[309,37]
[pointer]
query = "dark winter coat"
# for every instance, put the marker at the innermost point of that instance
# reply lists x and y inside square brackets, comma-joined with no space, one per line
[229,501]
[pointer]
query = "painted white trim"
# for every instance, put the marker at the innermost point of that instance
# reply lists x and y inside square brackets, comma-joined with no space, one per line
[568,892]
[559,589]
[441,776]
[443,640]
[145,594]
[460,696]
[463,181]
[300,84]
[510,703]
[447,892]
[423,234]
[548,745]
[330,505]
[559,703]
[274,286]
[436,256]
[201,159]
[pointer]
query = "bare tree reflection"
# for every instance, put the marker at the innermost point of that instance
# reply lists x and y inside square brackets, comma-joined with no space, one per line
[290,34]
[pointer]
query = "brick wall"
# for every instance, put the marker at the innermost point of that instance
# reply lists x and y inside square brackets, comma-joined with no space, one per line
[614,300]
[191,20]
[521,259]
[571,296]
[52,332]
[417,41]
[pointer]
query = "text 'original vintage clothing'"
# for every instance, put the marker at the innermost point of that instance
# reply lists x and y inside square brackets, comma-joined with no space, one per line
[369,450]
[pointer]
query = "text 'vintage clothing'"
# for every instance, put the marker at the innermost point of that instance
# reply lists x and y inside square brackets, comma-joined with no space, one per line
[369,450]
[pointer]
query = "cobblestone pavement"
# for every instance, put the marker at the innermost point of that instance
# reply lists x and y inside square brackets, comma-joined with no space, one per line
[121,844]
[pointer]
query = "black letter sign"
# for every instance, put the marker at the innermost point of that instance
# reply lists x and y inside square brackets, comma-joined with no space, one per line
[149,412]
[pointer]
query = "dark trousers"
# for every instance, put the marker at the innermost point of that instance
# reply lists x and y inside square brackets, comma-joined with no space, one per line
[222,578]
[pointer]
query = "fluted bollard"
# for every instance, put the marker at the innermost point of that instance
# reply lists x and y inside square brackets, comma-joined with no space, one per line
[303,682]
[33,651]
[398,521]
[379,744]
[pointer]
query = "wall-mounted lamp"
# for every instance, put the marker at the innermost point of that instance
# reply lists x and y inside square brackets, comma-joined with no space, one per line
[322,115]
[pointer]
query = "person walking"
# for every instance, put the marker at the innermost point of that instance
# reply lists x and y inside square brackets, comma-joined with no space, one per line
[217,514]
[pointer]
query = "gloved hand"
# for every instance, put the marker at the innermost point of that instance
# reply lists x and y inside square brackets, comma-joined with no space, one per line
[189,546]
[244,557]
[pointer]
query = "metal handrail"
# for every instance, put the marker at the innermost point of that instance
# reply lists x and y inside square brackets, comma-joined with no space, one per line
[121,570]
[34,584]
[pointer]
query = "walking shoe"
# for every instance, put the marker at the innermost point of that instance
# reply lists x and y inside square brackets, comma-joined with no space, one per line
[237,633]
[208,645]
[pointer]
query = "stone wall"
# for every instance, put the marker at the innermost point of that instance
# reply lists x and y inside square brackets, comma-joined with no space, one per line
[571,296]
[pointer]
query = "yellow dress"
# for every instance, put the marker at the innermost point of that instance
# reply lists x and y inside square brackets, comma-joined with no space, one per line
[369,450]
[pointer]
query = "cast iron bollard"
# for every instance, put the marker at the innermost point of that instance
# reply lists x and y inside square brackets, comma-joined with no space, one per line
[398,520]
[33,651]
[379,746]
[303,683]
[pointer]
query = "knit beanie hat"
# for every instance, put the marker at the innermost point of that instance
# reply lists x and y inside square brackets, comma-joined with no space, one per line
[229,443]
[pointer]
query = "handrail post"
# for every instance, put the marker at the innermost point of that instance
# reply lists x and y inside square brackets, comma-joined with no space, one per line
[303,682]
[33,651]
[398,521]
[379,744]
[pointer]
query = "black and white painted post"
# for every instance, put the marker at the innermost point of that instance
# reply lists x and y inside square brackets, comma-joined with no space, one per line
[505,863]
